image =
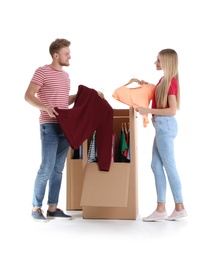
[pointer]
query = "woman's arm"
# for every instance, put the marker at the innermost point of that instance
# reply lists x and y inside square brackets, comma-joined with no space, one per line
[169,111]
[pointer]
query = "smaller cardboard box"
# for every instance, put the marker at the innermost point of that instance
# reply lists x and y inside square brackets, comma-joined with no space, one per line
[109,195]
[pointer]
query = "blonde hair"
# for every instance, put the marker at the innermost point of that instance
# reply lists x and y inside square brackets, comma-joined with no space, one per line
[169,64]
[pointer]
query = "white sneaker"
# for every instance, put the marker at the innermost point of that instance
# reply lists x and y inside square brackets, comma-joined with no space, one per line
[155,216]
[177,214]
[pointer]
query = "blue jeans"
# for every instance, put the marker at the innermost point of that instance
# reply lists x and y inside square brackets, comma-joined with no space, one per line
[54,147]
[163,160]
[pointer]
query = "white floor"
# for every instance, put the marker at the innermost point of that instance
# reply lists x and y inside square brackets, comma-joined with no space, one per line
[23,238]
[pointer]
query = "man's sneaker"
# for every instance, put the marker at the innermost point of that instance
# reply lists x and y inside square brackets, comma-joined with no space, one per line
[38,216]
[58,214]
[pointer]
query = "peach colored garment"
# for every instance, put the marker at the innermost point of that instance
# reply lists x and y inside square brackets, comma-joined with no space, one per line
[139,96]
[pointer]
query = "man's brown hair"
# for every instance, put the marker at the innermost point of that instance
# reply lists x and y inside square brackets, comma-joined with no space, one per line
[57,45]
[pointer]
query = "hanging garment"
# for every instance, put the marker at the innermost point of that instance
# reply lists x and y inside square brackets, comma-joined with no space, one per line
[90,113]
[127,140]
[136,97]
[92,152]
[113,147]
[122,146]
[77,153]
[128,150]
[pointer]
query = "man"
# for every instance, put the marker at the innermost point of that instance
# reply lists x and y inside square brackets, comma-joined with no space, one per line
[49,88]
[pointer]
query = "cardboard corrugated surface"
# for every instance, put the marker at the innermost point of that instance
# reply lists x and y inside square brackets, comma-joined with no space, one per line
[75,179]
[106,189]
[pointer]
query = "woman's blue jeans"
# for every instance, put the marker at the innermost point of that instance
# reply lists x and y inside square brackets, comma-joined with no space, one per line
[163,159]
[54,147]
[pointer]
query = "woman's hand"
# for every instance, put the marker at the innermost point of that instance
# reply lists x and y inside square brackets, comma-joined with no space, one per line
[142,110]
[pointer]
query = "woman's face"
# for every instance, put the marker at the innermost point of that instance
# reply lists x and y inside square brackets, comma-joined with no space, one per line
[158,64]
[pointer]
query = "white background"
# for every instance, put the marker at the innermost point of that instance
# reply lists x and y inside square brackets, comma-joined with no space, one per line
[111,41]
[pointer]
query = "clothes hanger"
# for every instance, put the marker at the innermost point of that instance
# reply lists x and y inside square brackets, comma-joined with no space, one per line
[125,124]
[122,127]
[134,82]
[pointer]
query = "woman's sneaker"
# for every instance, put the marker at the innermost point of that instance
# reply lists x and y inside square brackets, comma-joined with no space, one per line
[177,215]
[155,216]
[37,215]
[58,214]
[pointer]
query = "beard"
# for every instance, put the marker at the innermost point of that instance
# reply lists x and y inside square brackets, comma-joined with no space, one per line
[64,63]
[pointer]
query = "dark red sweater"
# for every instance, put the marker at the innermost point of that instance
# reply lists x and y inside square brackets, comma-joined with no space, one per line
[89,113]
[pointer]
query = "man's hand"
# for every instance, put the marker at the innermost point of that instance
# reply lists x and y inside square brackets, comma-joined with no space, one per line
[51,112]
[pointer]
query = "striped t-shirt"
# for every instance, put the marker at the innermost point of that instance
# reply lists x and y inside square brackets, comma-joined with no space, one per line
[54,90]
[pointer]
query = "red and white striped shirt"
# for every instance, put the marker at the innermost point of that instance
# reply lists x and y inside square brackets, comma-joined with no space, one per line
[54,90]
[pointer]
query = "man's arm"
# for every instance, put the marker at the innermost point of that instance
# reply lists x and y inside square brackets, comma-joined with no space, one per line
[71,99]
[30,97]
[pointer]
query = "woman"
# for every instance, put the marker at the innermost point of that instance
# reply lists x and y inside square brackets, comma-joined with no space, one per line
[165,103]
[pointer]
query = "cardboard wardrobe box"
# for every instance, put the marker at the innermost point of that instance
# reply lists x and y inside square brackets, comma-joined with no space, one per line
[75,178]
[106,195]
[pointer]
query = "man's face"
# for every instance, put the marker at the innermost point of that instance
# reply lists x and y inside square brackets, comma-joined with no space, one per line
[64,56]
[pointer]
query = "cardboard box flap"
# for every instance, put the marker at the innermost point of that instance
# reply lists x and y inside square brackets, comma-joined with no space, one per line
[106,189]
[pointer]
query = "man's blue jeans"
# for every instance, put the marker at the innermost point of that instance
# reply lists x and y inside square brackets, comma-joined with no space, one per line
[163,158]
[54,147]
